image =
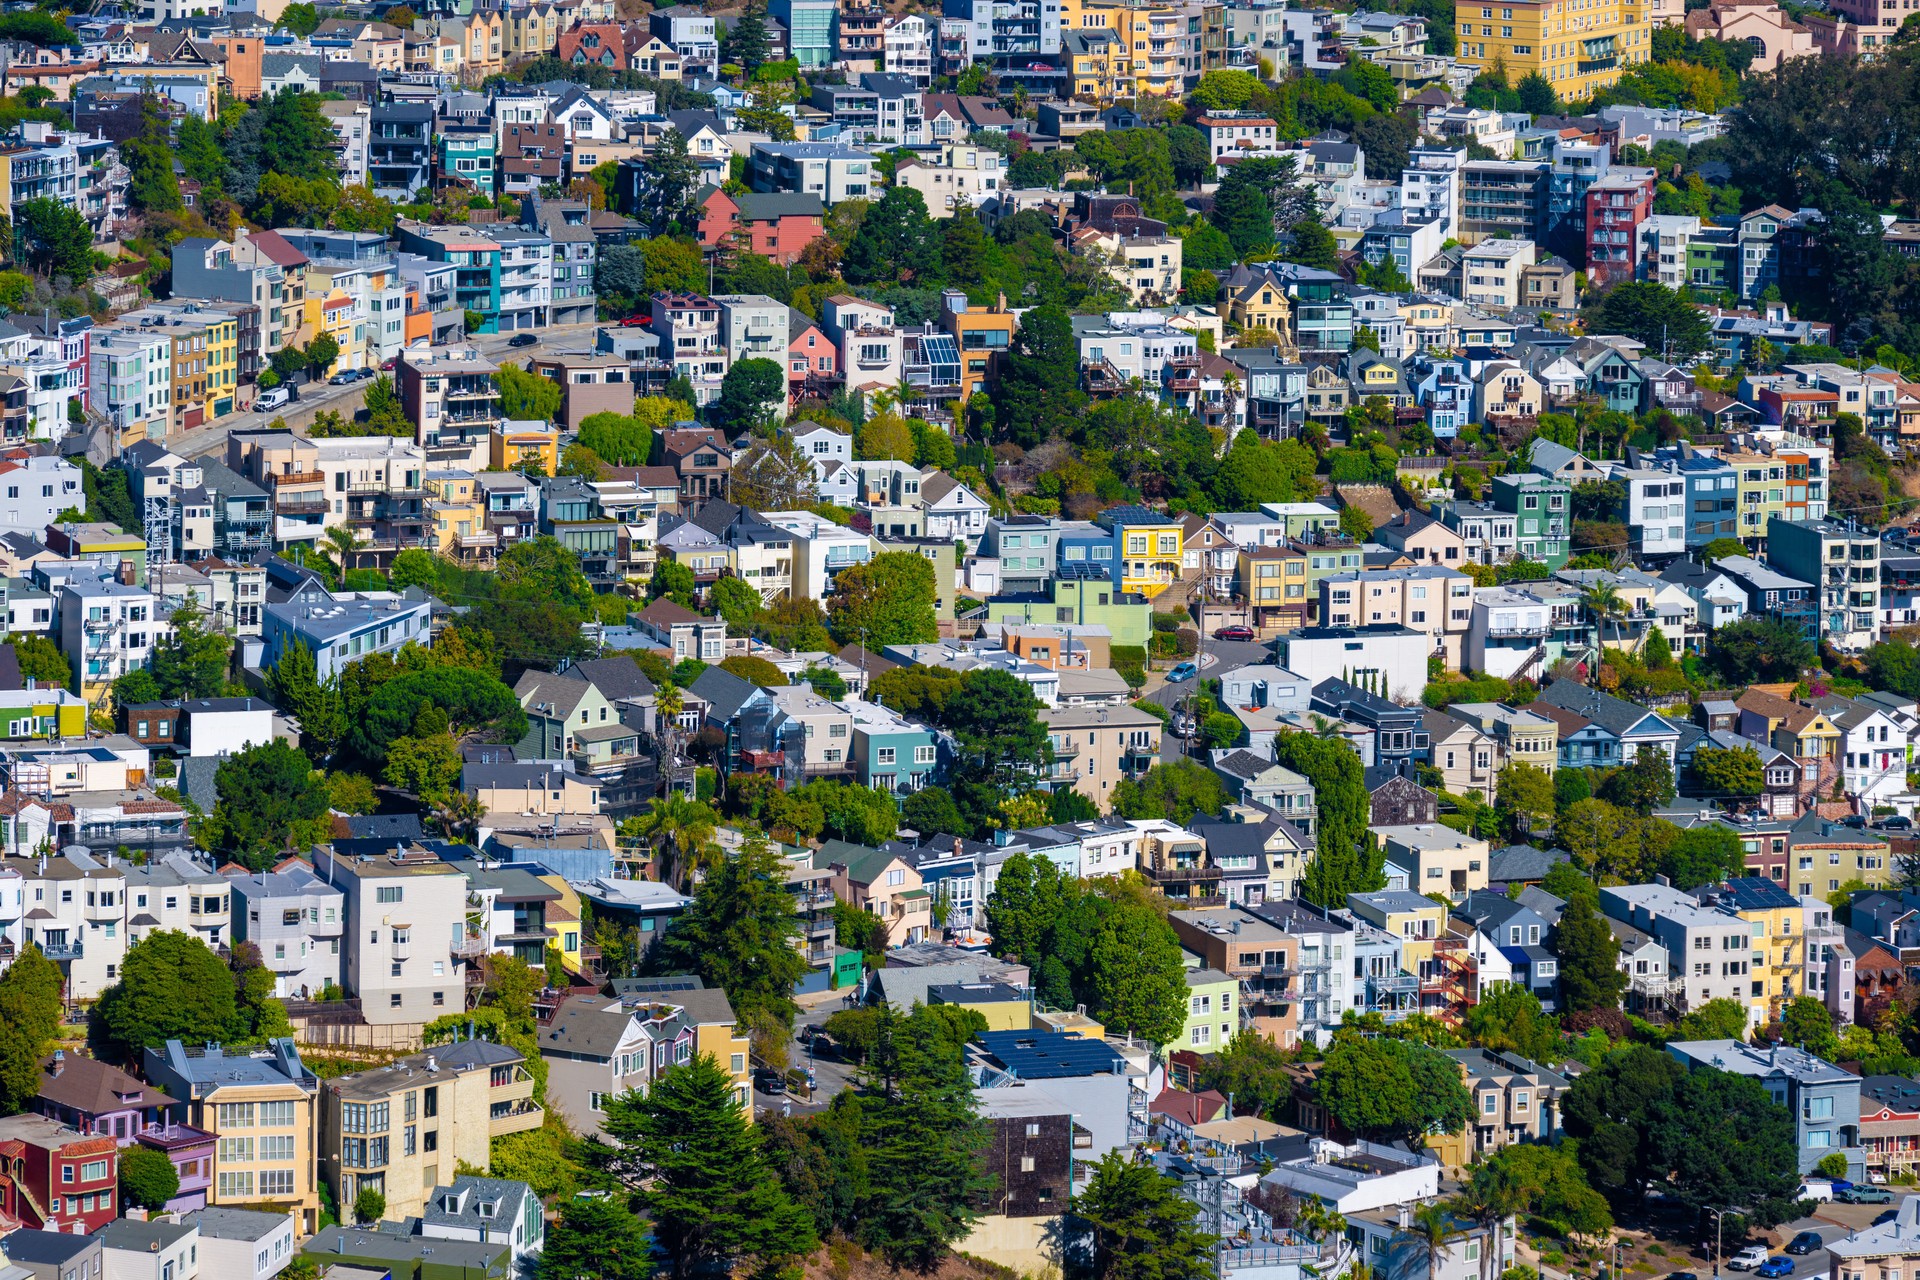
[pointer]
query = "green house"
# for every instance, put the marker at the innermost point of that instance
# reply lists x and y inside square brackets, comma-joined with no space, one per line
[410,1257]
[1542,507]
[1083,602]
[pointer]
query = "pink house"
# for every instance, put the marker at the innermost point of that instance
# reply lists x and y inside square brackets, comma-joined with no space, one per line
[778,226]
[812,359]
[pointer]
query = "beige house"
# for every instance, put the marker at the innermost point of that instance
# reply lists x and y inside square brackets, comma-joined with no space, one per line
[1773,36]
[1437,859]
[1423,539]
[260,1106]
[1524,737]
[1432,599]
[1094,747]
[884,885]
[1467,756]
[1507,389]
[405,1128]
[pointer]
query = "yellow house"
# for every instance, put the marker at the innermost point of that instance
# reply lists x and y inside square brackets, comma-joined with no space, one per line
[1005,1008]
[517,445]
[42,713]
[717,1033]
[1099,64]
[1155,40]
[457,507]
[1149,547]
[1259,304]
[1778,963]
[1429,325]
[1578,46]
[1417,921]
[331,313]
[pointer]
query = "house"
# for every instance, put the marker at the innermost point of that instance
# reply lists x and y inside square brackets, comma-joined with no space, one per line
[484,1210]
[58,1178]
[774,225]
[98,1098]
[1522,934]
[1621,729]
[1436,859]
[1514,1100]
[884,884]
[1823,1100]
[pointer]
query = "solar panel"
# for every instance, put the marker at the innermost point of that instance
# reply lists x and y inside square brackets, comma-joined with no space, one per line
[1087,570]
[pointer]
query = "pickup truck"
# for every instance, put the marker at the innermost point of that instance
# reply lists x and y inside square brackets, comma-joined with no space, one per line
[1748,1258]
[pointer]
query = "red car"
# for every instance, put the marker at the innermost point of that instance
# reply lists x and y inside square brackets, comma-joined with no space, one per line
[388,365]
[634,322]
[1234,633]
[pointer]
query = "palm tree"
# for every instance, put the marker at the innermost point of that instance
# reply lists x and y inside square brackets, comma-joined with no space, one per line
[682,830]
[1488,1206]
[1603,602]
[338,552]
[1433,1228]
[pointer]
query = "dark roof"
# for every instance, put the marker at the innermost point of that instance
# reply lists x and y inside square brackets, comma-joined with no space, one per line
[1523,862]
[723,692]
[1050,1055]
[772,206]
[10,677]
[47,1248]
[92,1087]
[383,826]
[1616,715]
[1235,838]
[615,678]
[1748,893]
[1897,1092]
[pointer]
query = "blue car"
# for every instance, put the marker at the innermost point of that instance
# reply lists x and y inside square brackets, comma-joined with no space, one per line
[1183,671]
[1778,1265]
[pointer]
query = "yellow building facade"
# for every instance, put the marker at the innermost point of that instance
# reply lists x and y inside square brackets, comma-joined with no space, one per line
[1577,45]
[1150,549]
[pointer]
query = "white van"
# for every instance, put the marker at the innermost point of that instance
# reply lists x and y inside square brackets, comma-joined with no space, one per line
[273,398]
[1815,1190]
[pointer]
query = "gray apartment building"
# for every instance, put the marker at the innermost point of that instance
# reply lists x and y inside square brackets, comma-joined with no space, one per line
[405,936]
[1710,950]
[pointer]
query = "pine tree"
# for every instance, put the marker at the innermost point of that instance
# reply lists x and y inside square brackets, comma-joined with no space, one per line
[738,936]
[1590,976]
[923,1140]
[596,1238]
[296,688]
[1141,1227]
[746,42]
[29,1017]
[702,1175]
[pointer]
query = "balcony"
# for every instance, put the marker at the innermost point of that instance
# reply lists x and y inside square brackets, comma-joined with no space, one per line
[300,506]
[470,946]
[299,477]
[62,950]
[1182,875]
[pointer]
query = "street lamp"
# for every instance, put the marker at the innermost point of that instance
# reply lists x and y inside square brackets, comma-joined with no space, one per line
[1717,1215]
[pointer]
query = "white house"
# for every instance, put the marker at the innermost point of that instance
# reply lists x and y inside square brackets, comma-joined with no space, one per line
[1873,753]
[223,726]
[1391,660]
[955,513]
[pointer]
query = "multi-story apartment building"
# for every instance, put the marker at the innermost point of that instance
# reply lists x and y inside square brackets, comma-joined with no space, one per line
[1434,600]
[825,169]
[752,326]
[404,911]
[574,252]
[1710,950]
[601,1046]
[405,1128]
[297,921]
[130,373]
[688,326]
[1778,962]
[1543,515]
[107,628]
[1095,747]
[260,1105]
[400,149]
[1842,561]
[450,396]
[345,628]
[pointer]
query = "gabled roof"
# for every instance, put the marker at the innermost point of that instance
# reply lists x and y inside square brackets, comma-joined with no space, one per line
[1616,715]
[723,692]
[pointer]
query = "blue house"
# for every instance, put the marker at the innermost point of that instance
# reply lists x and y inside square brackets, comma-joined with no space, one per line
[889,752]
[1521,932]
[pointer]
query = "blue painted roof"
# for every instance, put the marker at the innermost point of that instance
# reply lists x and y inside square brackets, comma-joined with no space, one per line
[1050,1055]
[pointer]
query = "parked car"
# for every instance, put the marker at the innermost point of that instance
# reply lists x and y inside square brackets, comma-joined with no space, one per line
[769,1081]
[273,398]
[1806,1242]
[1182,726]
[389,364]
[344,377]
[523,340]
[1864,1195]
[1877,1177]
[1775,1267]
[1897,822]
[1182,671]
[1814,1190]
[1234,633]
[1748,1258]
[635,322]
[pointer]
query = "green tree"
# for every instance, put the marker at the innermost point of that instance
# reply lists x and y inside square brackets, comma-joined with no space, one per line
[688,1153]
[923,1140]
[1644,784]
[1703,855]
[1524,794]
[1721,1019]
[738,935]
[1723,1140]
[1807,1023]
[42,662]
[1510,1018]
[1139,1225]
[172,987]
[1610,1109]
[1243,213]
[1039,394]
[593,1236]
[897,241]
[738,604]
[271,800]
[413,568]
[527,396]
[295,687]
[1311,245]
[469,701]
[427,766]
[749,393]
[1733,771]
[321,353]
[674,581]
[1590,976]
[1755,650]
[1137,979]
[55,238]
[1347,861]
[1252,1070]
[191,662]
[1171,789]
[1541,1181]
[746,43]
[149,158]
[369,1206]
[1670,326]
[30,1009]
[887,600]
[148,1179]
[1385,1089]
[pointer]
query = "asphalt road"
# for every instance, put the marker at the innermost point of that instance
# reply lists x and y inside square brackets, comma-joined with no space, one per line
[830,1076]
[1832,1221]
[349,399]
[1216,656]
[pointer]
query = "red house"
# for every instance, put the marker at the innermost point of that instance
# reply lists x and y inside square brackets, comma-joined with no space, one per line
[778,226]
[1616,206]
[55,1178]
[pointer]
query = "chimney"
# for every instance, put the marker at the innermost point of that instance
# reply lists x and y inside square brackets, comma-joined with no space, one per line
[59,1062]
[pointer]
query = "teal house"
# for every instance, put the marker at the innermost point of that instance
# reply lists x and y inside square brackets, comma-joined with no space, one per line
[889,752]
[468,155]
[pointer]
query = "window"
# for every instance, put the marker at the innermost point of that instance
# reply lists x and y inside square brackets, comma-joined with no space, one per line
[236,1115]
[236,1151]
[387,893]
[276,1182]
[236,1186]
[279,1147]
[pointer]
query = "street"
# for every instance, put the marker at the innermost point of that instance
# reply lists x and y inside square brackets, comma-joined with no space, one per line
[349,399]
[831,1076]
[1831,1221]
[1215,656]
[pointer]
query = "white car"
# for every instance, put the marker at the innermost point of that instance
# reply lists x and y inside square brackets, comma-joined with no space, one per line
[1748,1258]
[1813,1190]
[273,398]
